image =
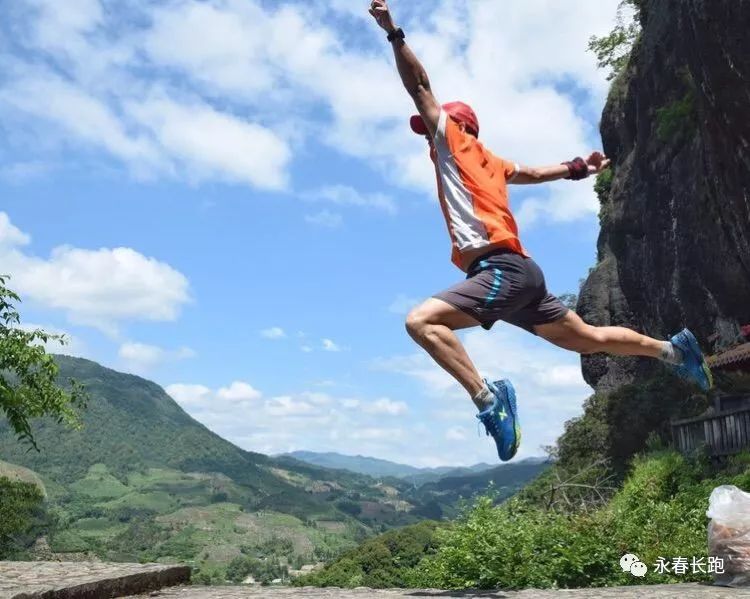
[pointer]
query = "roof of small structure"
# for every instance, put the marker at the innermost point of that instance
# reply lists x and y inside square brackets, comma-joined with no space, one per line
[731,357]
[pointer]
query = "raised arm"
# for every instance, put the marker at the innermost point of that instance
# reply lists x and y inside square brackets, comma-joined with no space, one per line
[575,169]
[412,72]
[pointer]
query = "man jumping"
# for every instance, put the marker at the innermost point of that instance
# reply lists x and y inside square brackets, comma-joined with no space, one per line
[502,282]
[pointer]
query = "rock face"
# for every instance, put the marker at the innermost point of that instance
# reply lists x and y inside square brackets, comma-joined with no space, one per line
[674,247]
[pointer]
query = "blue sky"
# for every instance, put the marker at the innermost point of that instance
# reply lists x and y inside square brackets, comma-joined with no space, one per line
[224,197]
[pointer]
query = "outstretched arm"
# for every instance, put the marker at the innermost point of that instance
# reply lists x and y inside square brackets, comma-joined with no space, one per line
[596,163]
[412,72]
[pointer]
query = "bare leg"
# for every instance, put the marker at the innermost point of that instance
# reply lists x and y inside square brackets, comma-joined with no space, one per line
[431,325]
[570,332]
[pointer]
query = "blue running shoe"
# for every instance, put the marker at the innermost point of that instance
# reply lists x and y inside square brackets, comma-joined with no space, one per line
[501,419]
[693,367]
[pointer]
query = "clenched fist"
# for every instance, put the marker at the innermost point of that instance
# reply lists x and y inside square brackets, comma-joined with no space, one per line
[382,14]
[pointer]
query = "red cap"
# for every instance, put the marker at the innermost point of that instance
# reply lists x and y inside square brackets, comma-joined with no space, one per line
[458,111]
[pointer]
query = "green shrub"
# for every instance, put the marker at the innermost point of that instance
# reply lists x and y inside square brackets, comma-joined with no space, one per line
[67,541]
[20,505]
[658,512]
[602,188]
[617,425]
[677,118]
[381,562]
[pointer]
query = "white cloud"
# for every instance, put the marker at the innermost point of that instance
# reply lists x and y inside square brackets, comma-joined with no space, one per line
[326,219]
[142,357]
[375,433]
[344,195]
[561,201]
[189,395]
[311,419]
[386,406]
[548,382]
[329,345]
[239,391]
[455,433]
[229,55]
[403,304]
[20,172]
[273,333]
[266,78]
[100,287]
[418,366]
[316,398]
[80,115]
[10,235]
[211,144]
[69,345]
[288,406]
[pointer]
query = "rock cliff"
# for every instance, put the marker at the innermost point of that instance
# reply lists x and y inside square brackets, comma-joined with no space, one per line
[674,247]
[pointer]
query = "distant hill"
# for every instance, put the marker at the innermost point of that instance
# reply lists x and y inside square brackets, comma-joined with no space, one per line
[436,492]
[376,467]
[144,480]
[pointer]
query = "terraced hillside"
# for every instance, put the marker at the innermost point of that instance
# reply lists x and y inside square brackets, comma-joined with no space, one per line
[142,480]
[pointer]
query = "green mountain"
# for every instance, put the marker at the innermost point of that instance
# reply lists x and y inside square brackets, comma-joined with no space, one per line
[376,467]
[143,480]
[442,498]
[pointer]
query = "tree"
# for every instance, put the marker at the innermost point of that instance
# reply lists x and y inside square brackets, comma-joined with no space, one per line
[569,300]
[28,385]
[20,503]
[613,50]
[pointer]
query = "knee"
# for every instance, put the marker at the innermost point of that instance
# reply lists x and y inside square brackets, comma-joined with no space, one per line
[416,322]
[421,323]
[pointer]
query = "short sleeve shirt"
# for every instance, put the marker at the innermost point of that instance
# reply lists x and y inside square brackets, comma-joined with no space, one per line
[473,191]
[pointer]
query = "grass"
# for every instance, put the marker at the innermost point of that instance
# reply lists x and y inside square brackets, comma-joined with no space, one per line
[158,501]
[165,515]
[99,484]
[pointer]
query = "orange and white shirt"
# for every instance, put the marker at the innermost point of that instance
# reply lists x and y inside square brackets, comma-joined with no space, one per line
[472,187]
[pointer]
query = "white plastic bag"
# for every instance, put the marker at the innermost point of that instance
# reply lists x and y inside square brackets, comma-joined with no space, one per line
[729,534]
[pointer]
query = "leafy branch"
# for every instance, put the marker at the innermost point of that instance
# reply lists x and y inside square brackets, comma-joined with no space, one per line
[28,374]
[613,51]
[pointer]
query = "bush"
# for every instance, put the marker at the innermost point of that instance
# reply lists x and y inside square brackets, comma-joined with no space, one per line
[517,546]
[20,505]
[677,118]
[617,425]
[381,562]
[658,512]
[602,188]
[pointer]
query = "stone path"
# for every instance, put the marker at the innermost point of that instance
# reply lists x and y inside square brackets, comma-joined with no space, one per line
[90,580]
[676,591]
[86,580]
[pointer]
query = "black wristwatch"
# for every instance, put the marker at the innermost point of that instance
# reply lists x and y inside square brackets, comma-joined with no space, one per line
[396,34]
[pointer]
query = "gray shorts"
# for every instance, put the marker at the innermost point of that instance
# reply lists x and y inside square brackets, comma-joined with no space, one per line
[505,286]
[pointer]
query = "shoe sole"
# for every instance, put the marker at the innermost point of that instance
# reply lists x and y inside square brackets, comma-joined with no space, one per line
[698,355]
[511,393]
